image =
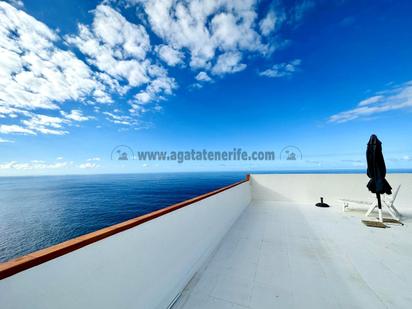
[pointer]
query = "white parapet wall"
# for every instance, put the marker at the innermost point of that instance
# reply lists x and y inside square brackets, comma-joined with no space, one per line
[144,267]
[308,188]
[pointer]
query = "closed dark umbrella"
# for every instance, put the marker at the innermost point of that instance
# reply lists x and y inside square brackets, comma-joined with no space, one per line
[377,171]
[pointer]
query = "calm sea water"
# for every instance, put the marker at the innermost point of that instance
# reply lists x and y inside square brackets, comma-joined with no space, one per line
[37,212]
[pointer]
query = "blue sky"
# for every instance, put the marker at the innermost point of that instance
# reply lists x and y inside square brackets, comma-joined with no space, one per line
[78,78]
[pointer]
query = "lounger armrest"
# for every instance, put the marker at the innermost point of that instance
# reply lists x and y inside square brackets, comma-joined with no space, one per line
[356,201]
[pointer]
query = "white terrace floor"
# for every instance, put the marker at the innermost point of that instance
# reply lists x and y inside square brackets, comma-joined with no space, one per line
[283,255]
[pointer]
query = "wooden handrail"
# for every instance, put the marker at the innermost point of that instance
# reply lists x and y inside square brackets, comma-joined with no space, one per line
[19,264]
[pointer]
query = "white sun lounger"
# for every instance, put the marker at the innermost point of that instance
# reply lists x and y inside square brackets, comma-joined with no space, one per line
[387,200]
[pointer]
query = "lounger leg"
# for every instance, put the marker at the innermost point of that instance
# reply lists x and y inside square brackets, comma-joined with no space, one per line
[372,208]
[392,210]
[395,211]
[392,213]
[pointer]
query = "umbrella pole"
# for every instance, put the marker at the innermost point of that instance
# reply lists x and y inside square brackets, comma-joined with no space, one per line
[378,196]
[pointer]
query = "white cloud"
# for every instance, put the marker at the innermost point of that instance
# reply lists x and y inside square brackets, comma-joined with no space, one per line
[2,140]
[155,88]
[402,158]
[11,112]
[35,74]
[370,100]
[205,28]
[399,98]
[38,73]
[32,123]
[228,63]
[89,165]
[16,3]
[43,165]
[119,48]
[13,129]
[94,159]
[76,115]
[267,25]
[282,69]
[203,77]
[33,165]
[46,124]
[122,119]
[169,55]
[299,10]
[115,46]
[196,86]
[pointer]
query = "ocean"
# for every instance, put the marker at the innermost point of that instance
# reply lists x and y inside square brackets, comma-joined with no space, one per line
[37,212]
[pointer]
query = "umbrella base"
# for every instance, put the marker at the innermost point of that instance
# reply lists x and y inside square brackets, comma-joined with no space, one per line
[374,224]
[390,220]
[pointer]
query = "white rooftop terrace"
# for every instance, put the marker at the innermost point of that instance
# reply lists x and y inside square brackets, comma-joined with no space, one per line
[295,255]
[258,244]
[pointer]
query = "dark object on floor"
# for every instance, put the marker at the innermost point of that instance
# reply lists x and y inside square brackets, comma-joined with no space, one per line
[390,220]
[322,204]
[374,224]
